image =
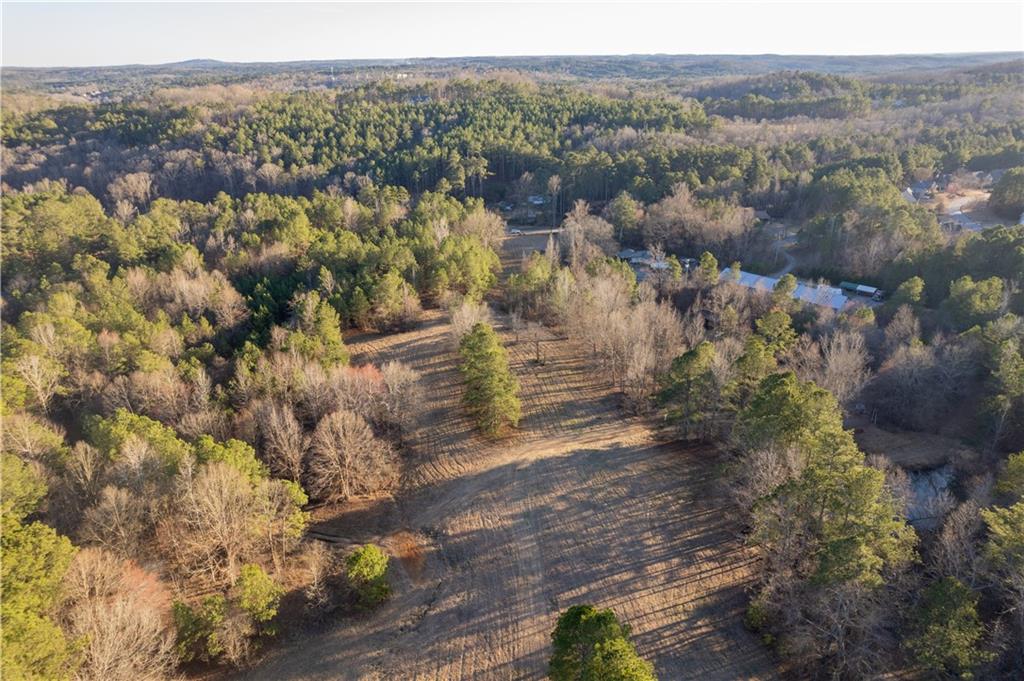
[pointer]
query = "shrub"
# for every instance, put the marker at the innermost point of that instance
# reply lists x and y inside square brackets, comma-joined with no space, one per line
[592,645]
[366,569]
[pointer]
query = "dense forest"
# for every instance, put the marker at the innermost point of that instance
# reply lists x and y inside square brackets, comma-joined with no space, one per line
[187,253]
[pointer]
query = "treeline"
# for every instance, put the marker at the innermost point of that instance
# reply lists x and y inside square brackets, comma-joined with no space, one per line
[815,95]
[176,389]
[993,253]
[485,139]
[461,133]
[132,79]
[370,257]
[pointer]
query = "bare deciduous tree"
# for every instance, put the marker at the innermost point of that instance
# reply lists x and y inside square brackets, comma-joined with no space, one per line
[211,421]
[270,175]
[160,394]
[346,459]
[359,390]
[639,377]
[693,328]
[117,522]
[805,359]
[464,315]
[124,211]
[30,437]
[135,188]
[955,550]
[763,471]
[117,612]
[485,225]
[682,223]
[903,330]
[275,519]
[585,237]
[516,322]
[140,468]
[554,191]
[845,369]
[84,469]
[320,561]
[41,375]
[919,385]
[211,530]
[403,398]
[236,636]
[905,388]
[633,343]
[280,440]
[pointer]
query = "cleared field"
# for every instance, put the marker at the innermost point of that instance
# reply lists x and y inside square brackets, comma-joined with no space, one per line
[493,540]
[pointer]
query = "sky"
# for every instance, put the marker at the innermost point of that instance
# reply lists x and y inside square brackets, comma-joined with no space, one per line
[92,34]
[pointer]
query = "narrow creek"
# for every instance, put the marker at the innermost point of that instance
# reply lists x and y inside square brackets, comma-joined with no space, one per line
[930,497]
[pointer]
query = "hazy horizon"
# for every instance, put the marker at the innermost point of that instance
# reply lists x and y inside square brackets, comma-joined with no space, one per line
[42,35]
[200,59]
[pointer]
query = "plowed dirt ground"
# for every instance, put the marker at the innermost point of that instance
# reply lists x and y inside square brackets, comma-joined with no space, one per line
[493,540]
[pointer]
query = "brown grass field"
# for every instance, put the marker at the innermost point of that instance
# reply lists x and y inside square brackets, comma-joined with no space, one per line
[491,540]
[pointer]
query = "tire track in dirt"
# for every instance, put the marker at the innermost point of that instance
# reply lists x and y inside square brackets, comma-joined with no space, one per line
[581,506]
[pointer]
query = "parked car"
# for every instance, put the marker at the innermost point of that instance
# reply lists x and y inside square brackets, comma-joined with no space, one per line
[515,232]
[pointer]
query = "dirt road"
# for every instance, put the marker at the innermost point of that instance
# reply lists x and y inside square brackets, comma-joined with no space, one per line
[582,507]
[788,267]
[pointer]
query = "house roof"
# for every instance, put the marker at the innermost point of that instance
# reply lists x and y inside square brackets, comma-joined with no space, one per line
[825,296]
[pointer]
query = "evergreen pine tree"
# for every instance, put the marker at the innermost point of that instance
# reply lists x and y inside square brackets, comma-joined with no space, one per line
[491,389]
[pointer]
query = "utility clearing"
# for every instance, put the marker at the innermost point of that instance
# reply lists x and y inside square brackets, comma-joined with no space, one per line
[491,541]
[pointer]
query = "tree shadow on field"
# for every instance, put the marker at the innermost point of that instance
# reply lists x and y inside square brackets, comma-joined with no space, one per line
[636,529]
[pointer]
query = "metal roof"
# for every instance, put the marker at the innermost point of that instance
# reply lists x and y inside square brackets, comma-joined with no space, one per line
[825,296]
[858,288]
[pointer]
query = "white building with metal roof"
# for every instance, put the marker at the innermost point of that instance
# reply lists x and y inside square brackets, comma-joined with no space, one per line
[824,296]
